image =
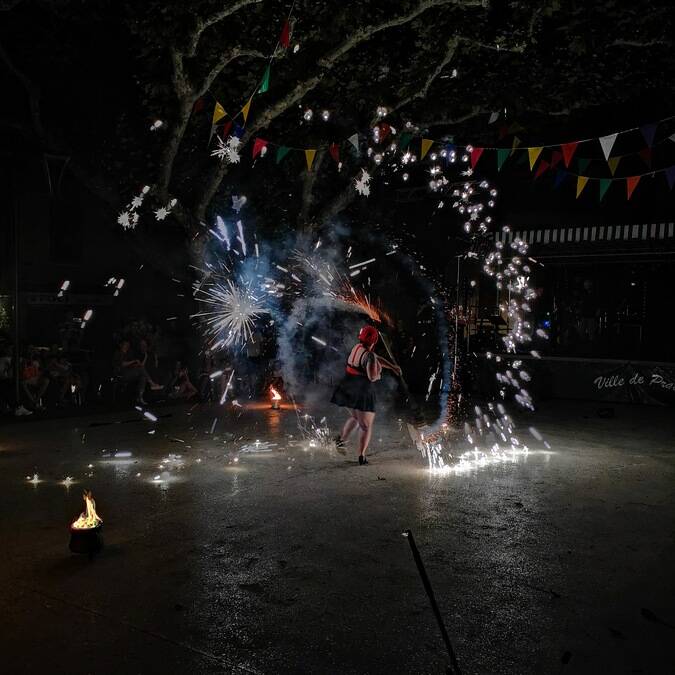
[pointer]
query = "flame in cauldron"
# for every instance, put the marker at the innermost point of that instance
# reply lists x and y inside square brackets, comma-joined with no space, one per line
[88,518]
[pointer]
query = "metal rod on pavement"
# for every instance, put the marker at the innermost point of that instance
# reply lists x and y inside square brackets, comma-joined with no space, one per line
[453,669]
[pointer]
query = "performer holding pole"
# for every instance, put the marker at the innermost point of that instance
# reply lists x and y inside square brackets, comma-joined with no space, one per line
[356,390]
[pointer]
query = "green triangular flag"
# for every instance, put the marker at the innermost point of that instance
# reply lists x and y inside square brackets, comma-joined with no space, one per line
[604,185]
[265,84]
[583,163]
[282,151]
[502,154]
[405,140]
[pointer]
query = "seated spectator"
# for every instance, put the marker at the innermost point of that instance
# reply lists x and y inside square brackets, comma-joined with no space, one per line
[129,369]
[34,381]
[60,372]
[148,360]
[180,385]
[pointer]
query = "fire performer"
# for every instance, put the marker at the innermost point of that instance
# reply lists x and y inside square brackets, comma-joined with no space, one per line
[356,390]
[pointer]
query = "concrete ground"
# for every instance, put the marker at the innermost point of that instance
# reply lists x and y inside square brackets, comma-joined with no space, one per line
[292,560]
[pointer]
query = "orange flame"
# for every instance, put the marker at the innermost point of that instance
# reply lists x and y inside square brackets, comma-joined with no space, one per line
[276,396]
[88,518]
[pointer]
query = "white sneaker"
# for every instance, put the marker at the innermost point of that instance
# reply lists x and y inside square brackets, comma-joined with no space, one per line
[21,411]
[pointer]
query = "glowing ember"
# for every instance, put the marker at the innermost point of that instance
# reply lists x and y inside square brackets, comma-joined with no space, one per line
[88,518]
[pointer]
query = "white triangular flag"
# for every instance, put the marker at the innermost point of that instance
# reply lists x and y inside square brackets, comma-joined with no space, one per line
[607,143]
[672,137]
[493,117]
[354,140]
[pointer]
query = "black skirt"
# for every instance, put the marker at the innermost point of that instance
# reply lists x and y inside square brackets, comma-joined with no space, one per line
[356,392]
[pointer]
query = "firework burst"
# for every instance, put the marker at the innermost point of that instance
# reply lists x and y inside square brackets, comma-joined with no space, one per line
[235,309]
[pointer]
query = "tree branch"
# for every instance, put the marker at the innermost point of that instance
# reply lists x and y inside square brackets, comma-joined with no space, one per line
[225,61]
[325,63]
[203,24]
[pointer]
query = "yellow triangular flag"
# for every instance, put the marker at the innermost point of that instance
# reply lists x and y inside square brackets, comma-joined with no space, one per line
[581,184]
[426,144]
[245,109]
[218,113]
[516,143]
[613,162]
[309,156]
[533,153]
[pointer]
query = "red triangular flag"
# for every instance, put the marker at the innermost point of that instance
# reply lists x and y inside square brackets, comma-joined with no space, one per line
[556,156]
[567,151]
[475,156]
[285,37]
[258,145]
[199,105]
[384,130]
[334,150]
[543,165]
[631,184]
[226,128]
[646,155]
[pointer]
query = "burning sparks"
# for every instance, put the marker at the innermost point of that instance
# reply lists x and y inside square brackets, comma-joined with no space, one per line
[88,518]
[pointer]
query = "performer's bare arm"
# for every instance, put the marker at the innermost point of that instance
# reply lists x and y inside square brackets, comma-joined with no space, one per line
[388,364]
[373,367]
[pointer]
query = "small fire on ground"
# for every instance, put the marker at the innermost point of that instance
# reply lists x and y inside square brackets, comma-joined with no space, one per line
[88,519]
[275,397]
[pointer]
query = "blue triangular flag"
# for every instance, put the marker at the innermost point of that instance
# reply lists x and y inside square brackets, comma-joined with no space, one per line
[559,178]
[670,176]
[238,130]
[648,133]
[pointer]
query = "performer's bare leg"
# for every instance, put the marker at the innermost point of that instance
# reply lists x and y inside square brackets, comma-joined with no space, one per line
[365,420]
[351,424]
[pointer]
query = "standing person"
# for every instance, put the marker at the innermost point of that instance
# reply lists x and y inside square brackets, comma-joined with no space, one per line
[128,369]
[356,390]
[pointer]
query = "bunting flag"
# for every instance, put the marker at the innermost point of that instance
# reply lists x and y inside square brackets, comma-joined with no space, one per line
[516,143]
[567,152]
[503,131]
[604,185]
[404,140]
[581,184]
[265,84]
[613,162]
[285,37]
[385,129]
[426,144]
[648,132]
[607,143]
[671,138]
[583,164]
[556,156]
[218,113]
[226,128]
[502,154]
[246,108]
[309,156]
[559,178]
[258,145]
[282,151]
[198,105]
[670,176]
[475,156]
[494,116]
[543,165]
[631,184]
[354,140]
[646,156]
[533,153]
[334,150]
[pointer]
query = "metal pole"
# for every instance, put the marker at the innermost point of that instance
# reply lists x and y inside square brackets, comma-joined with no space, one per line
[454,360]
[17,347]
[453,668]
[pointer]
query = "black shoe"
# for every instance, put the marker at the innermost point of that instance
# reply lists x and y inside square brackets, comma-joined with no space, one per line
[339,444]
[362,460]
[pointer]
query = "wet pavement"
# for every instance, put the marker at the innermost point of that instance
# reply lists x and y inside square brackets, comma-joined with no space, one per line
[291,559]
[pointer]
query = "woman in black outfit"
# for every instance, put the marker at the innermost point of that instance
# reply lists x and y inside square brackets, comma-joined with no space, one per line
[356,390]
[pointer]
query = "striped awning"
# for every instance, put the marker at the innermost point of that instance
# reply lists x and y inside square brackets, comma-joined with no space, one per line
[584,234]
